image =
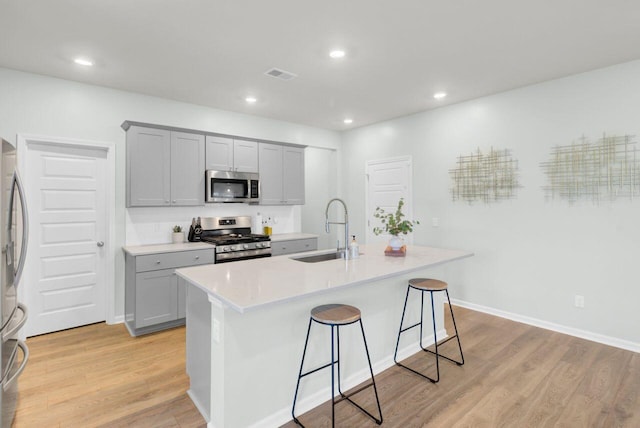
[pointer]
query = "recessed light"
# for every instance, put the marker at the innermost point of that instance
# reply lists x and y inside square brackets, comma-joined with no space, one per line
[83,61]
[338,53]
[439,95]
[251,100]
[348,121]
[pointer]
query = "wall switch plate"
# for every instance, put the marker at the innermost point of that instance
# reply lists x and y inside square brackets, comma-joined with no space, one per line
[579,301]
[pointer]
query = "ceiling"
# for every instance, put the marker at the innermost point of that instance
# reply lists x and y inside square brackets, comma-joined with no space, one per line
[398,53]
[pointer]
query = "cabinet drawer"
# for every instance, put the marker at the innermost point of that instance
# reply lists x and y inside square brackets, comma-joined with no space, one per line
[174,260]
[294,246]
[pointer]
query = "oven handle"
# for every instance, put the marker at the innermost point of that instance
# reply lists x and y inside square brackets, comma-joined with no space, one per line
[19,325]
[25,350]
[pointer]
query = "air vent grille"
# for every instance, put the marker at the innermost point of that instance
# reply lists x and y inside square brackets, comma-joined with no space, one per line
[280,74]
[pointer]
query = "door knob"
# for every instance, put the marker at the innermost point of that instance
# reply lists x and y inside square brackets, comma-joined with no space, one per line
[100,244]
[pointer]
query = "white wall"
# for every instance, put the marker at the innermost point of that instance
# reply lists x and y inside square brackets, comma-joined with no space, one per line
[34,104]
[532,256]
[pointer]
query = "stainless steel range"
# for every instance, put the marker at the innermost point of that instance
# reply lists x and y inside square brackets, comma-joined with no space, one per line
[233,239]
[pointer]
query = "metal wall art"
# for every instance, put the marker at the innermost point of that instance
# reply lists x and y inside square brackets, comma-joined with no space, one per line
[604,170]
[490,177]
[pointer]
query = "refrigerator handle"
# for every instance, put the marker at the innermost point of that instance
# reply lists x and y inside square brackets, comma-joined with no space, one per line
[25,226]
[25,350]
[18,325]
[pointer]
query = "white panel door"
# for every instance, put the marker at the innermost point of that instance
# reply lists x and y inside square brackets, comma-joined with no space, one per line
[68,220]
[388,180]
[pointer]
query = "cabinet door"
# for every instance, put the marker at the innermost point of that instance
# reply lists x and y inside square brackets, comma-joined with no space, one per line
[156,297]
[187,169]
[148,167]
[293,175]
[270,168]
[219,153]
[279,248]
[245,156]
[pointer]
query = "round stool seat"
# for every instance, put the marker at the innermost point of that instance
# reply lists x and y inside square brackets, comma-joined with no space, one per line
[428,284]
[336,314]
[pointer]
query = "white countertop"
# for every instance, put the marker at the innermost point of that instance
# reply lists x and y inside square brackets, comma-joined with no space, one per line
[252,284]
[141,250]
[291,236]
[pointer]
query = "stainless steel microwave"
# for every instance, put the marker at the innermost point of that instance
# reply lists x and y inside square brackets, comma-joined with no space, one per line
[229,186]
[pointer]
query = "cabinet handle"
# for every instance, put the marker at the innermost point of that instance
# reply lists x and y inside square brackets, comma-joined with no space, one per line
[197,257]
[157,262]
[174,201]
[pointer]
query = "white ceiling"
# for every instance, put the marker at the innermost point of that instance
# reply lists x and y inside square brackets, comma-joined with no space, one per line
[214,53]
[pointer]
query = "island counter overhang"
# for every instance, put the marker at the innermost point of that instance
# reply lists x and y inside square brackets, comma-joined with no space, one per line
[246,325]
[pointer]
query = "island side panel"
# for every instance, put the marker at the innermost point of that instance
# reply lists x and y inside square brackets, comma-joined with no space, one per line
[262,349]
[199,348]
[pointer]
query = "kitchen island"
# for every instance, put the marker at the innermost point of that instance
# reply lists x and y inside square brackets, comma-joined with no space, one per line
[246,325]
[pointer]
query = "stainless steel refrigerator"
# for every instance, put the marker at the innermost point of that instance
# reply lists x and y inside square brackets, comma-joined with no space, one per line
[13,314]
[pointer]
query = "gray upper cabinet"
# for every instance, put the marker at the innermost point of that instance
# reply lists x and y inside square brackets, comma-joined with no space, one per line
[148,166]
[164,168]
[187,169]
[281,174]
[293,175]
[228,154]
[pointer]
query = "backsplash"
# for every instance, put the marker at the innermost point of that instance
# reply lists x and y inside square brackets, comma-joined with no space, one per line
[154,225]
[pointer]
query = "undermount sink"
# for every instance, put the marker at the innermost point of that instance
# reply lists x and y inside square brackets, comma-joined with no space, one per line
[334,255]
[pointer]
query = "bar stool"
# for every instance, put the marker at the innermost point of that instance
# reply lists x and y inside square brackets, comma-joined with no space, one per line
[432,286]
[336,316]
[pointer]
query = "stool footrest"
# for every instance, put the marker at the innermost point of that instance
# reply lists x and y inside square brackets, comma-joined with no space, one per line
[318,369]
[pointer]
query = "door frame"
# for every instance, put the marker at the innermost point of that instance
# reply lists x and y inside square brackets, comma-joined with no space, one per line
[24,144]
[409,213]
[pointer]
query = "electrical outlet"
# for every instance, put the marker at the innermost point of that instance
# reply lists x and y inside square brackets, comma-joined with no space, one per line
[435,222]
[579,301]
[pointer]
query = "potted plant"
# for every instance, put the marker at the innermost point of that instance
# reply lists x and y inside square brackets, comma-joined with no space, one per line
[394,224]
[177,236]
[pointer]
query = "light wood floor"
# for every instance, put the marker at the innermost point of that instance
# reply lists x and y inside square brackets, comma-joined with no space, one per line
[514,376]
[99,376]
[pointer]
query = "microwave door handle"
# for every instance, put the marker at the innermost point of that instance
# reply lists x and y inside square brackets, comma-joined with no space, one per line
[25,226]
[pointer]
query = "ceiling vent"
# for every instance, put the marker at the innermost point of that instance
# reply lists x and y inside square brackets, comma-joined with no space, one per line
[280,74]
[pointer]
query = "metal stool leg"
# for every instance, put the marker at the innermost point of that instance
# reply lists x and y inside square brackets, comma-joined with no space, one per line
[455,327]
[400,330]
[295,397]
[373,380]
[333,394]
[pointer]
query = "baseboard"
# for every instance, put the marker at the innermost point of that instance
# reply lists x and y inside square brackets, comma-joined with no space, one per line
[283,416]
[583,334]
[119,319]
[200,408]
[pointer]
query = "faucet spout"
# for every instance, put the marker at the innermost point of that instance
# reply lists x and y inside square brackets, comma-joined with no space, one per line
[345,223]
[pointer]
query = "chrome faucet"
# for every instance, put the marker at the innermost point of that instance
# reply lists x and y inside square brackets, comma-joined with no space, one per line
[346,225]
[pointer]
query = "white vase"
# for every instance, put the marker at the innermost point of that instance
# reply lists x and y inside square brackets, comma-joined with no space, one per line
[177,237]
[396,243]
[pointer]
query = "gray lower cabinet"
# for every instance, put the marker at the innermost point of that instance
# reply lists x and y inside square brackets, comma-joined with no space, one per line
[280,248]
[154,299]
[164,168]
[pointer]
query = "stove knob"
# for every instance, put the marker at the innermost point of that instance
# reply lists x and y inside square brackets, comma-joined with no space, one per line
[258,244]
[234,248]
[225,249]
[246,246]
